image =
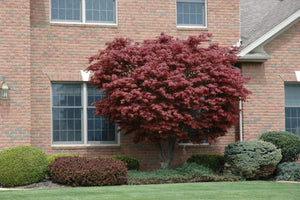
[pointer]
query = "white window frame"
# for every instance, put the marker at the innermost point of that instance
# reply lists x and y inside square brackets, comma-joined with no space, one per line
[84,134]
[83,19]
[190,143]
[192,26]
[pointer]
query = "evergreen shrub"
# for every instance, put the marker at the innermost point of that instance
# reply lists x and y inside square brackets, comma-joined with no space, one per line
[131,162]
[286,141]
[288,171]
[252,159]
[22,165]
[213,161]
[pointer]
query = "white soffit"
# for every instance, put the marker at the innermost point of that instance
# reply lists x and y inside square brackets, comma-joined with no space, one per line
[270,34]
[297,75]
[85,75]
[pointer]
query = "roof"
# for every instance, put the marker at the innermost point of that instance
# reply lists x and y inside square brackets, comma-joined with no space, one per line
[263,19]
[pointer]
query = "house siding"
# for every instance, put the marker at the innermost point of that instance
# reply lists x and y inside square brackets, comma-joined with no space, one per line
[36,52]
[265,110]
[15,125]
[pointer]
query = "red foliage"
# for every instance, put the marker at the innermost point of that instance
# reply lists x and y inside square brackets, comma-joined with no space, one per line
[169,87]
[80,171]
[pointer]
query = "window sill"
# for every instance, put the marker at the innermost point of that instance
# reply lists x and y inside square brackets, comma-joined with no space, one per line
[79,146]
[191,28]
[107,25]
[193,144]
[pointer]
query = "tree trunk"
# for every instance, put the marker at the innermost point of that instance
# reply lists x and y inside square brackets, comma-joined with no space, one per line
[165,150]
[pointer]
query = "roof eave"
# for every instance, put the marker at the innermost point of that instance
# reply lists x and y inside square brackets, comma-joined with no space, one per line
[274,32]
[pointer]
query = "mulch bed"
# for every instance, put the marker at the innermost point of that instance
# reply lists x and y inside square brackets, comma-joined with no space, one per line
[45,184]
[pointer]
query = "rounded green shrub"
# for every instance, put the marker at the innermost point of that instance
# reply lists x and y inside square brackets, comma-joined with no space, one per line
[131,162]
[52,157]
[252,159]
[80,171]
[22,165]
[288,171]
[213,161]
[287,142]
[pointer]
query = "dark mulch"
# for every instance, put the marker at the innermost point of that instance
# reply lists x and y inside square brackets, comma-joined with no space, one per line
[45,184]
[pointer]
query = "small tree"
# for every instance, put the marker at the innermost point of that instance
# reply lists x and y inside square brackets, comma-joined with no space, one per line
[164,90]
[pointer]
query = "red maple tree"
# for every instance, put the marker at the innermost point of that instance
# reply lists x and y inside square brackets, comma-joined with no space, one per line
[167,89]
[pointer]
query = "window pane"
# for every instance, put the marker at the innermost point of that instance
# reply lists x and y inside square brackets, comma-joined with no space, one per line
[99,129]
[65,113]
[66,10]
[190,12]
[69,14]
[66,94]
[193,19]
[100,11]
[186,18]
[62,3]
[54,3]
[54,13]
[89,4]
[292,108]
[95,15]
[110,15]
[69,3]
[94,95]
[65,124]
[96,4]
[292,95]
[196,1]
[77,4]
[67,116]
[89,15]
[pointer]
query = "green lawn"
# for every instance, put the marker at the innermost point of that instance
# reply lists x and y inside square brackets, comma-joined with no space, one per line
[213,190]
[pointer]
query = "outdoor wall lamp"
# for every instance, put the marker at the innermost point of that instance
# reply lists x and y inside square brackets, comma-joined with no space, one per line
[4,91]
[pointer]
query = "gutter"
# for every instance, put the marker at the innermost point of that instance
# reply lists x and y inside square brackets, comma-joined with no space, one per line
[241,120]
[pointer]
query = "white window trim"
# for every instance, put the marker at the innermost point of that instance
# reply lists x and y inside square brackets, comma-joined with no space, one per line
[193,26]
[83,17]
[190,143]
[84,142]
[193,144]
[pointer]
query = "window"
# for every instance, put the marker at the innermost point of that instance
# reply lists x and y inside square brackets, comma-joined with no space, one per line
[191,13]
[292,108]
[84,11]
[73,118]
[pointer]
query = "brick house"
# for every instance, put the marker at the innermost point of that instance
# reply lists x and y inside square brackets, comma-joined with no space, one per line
[44,45]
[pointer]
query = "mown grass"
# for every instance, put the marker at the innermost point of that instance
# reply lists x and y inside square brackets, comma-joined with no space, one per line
[213,190]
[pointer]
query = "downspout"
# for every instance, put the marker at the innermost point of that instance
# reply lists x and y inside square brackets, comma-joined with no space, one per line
[241,120]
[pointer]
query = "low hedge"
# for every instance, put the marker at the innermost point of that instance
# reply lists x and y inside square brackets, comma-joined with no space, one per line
[288,171]
[213,161]
[252,159]
[190,172]
[80,171]
[288,142]
[22,165]
[131,162]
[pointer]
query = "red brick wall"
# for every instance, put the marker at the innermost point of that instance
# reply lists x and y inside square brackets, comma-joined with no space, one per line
[60,51]
[264,110]
[15,126]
